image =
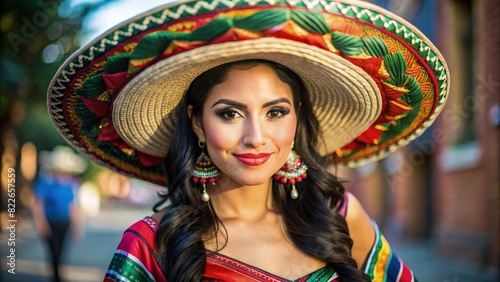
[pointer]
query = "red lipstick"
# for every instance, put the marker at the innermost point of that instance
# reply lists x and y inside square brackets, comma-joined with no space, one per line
[253,159]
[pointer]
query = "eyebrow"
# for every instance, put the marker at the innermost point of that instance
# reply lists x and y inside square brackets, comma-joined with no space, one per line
[243,106]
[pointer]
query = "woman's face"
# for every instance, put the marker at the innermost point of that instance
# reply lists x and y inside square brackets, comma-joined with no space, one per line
[248,124]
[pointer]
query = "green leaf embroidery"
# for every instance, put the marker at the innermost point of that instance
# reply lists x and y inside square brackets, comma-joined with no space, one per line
[263,20]
[117,63]
[211,30]
[92,87]
[154,44]
[348,44]
[396,66]
[374,46]
[312,22]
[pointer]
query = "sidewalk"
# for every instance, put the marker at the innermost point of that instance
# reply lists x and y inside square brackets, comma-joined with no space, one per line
[87,261]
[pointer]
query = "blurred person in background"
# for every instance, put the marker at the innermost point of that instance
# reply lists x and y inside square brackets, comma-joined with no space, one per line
[56,210]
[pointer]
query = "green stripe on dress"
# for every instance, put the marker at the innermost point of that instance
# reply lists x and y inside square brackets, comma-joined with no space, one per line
[373,260]
[321,275]
[128,268]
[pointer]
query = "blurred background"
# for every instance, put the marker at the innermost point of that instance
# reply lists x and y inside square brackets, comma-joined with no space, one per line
[437,200]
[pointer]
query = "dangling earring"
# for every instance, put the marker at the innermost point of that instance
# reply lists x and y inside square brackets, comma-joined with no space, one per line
[292,172]
[204,171]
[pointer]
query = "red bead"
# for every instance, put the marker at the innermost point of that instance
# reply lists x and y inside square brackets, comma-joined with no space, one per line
[277,177]
[211,180]
[304,175]
[283,180]
[195,179]
[203,180]
[299,179]
[291,181]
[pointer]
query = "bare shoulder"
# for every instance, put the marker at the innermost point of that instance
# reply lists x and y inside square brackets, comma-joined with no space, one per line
[360,229]
[355,213]
[159,215]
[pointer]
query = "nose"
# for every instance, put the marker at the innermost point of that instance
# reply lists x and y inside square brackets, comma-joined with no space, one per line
[254,134]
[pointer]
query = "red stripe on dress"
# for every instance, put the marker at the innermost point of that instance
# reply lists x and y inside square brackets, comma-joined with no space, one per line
[406,274]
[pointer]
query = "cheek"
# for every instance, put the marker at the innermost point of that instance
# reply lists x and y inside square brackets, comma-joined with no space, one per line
[284,135]
[284,141]
[219,137]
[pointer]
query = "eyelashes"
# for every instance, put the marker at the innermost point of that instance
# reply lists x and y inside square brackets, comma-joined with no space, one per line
[228,114]
[231,114]
[278,112]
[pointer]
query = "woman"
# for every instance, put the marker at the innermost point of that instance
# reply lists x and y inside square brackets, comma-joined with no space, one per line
[239,108]
[247,114]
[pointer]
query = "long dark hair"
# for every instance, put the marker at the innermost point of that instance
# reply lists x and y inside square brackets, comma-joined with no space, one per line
[312,222]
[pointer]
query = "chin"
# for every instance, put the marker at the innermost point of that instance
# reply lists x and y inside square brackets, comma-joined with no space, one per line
[244,181]
[251,177]
[255,181]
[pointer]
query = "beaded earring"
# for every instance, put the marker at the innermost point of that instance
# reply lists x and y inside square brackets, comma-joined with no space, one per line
[293,171]
[204,171]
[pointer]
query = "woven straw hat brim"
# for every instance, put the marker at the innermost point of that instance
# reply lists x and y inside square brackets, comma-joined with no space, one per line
[346,100]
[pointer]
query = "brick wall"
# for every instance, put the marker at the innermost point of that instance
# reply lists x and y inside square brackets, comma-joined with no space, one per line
[467,199]
[487,14]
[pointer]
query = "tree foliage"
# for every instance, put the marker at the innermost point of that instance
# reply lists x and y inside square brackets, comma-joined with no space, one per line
[37,35]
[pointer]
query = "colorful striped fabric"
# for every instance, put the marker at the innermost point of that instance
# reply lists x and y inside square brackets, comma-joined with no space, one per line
[134,260]
[224,268]
[383,265]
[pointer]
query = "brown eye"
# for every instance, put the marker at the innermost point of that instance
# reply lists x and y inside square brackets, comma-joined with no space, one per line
[276,113]
[228,114]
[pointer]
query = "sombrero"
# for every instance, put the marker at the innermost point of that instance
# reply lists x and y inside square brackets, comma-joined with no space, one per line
[375,81]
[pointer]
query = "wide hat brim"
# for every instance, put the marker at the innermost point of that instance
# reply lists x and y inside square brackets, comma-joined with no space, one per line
[375,81]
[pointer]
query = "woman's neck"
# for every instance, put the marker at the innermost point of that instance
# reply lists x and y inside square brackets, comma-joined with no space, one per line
[246,203]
